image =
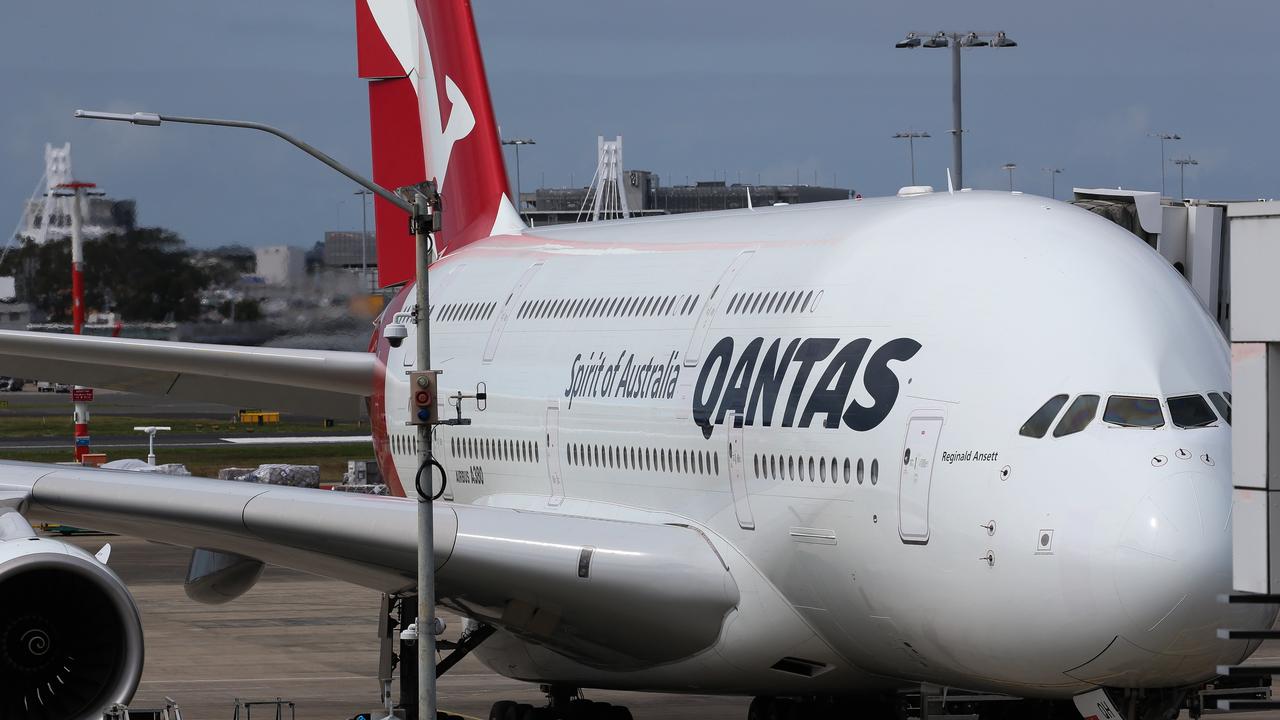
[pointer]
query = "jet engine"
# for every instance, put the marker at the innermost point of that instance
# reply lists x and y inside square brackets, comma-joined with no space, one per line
[70,634]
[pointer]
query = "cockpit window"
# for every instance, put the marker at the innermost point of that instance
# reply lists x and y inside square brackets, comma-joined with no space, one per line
[1228,396]
[1191,411]
[1077,417]
[1224,407]
[1038,424]
[1129,411]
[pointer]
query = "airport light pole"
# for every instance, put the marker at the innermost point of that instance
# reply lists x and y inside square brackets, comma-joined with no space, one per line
[956,41]
[1010,167]
[421,215]
[1054,172]
[364,238]
[1182,164]
[1162,137]
[910,136]
[517,142]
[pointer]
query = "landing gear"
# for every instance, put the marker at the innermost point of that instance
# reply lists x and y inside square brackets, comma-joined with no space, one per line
[563,703]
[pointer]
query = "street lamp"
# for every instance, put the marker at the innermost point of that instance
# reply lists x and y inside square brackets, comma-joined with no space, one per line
[1054,172]
[364,238]
[423,214]
[518,142]
[956,41]
[1162,136]
[1010,167]
[1182,164]
[910,136]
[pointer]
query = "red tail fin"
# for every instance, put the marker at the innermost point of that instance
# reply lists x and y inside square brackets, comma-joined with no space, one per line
[431,118]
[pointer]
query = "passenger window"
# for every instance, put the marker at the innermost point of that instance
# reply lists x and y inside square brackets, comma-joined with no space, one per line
[1077,417]
[1191,411]
[1127,411]
[1038,424]
[1224,408]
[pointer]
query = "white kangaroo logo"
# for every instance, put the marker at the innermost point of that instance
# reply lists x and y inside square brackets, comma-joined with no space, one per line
[439,139]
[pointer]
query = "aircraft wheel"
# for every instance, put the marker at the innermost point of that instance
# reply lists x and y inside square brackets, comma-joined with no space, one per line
[759,708]
[499,710]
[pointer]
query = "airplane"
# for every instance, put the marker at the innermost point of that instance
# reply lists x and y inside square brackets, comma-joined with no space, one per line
[815,455]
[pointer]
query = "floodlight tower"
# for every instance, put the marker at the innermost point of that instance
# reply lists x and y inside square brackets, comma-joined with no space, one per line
[1010,167]
[1053,172]
[517,142]
[1182,164]
[1162,137]
[956,41]
[910,136]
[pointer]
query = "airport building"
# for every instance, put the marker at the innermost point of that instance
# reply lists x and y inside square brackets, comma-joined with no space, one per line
[281,264]
[647,196]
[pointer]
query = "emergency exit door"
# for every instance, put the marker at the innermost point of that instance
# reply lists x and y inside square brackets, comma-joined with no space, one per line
[738,473]
[553,455]
[915,476]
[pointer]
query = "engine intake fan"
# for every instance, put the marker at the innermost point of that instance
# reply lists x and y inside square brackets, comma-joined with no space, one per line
[70,634]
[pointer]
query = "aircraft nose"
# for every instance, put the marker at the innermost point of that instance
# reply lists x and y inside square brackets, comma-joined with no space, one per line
[1172,561]
[1165,554]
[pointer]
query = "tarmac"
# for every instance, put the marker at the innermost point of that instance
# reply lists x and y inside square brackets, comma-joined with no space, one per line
[314,641]
[306,639]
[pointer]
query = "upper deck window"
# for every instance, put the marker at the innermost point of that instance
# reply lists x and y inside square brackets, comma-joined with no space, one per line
[1077,417]
[1038,424]
[1224,407]
[1191,411]
[1129,411]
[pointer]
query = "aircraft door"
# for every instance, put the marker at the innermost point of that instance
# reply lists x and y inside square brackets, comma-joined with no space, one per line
[553,455]
[916,475]
[738,474]
[507,310]
[714,300]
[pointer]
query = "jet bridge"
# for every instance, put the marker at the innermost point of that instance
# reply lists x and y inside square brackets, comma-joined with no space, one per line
[1230,254]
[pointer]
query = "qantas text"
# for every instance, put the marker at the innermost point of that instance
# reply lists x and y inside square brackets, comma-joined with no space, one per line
[755,385]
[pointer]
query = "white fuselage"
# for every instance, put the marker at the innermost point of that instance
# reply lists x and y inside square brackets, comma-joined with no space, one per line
[888,522]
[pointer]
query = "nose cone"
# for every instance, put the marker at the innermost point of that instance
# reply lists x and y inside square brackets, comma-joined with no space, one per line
[1172,560]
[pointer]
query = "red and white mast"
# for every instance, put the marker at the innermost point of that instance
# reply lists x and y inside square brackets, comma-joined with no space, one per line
[79,395]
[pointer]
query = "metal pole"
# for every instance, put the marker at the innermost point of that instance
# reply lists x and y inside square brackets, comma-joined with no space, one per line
[911,147]
[426,530]
[517,176]
[957,159]
[155,119]
[364,239]
[1162,163]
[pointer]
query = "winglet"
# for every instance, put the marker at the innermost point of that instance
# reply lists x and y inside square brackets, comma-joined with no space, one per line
[951,188]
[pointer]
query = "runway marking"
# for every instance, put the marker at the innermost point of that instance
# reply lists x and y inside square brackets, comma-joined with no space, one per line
[299,440]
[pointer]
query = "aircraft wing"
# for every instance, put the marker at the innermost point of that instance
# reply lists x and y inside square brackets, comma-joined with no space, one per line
[314,382]
[609,593]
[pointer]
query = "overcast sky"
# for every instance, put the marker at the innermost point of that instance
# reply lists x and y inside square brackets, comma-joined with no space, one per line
[748,89]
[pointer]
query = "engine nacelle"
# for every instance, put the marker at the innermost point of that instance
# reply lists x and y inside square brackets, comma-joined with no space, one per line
[70,633]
